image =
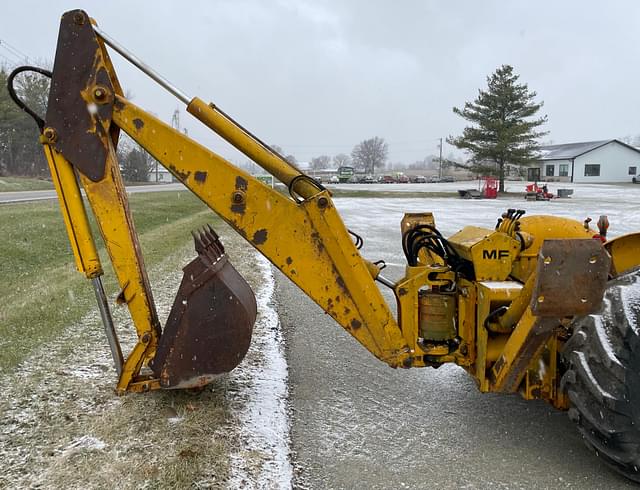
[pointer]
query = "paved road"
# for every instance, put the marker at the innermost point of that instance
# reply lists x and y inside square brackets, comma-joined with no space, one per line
[25,196]
[358,424]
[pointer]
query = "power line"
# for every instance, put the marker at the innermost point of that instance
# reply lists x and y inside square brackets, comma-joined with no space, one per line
[15,51]
[14,59]
[11,62]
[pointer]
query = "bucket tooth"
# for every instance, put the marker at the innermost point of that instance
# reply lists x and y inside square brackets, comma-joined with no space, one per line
[209,329]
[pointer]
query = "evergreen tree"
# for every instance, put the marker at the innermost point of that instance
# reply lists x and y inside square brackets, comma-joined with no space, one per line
[20,151]
[136,165]
[502,130]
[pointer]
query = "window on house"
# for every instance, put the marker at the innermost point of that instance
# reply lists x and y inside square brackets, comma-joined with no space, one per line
[592,170]
[633,170]
[564,170]
[549,170]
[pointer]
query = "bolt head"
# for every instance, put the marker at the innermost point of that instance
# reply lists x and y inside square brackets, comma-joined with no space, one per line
[323,202]
[100,95]
[237,197]
[50,134]
[78,18]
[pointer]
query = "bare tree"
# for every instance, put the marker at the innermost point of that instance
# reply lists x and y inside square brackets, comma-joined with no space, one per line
[291,159]
[318,163]
[370,154]
[341,160]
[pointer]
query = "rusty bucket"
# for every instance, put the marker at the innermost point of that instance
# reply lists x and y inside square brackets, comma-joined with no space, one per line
[209,328]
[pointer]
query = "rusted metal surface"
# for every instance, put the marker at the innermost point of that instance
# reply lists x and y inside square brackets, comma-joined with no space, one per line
[210,325]
[571,278]
[515,368]
[81,97]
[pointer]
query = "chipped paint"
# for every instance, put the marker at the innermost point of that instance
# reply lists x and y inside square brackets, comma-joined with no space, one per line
[317,240]
[241,183]
[182,176]
[259,237]
[138,123]
[200,176]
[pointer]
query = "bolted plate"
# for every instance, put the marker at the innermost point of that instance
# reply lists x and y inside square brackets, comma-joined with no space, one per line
[571,278]
[79,65]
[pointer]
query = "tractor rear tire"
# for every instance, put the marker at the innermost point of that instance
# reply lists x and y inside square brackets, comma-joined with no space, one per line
[602,379]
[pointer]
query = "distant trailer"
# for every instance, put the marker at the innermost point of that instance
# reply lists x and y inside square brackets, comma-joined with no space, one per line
[345,174]
[470,193]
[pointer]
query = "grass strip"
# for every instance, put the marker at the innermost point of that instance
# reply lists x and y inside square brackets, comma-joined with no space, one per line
[41,291]
[8,184]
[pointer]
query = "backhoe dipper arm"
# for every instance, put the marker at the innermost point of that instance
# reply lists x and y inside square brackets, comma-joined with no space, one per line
[303,236]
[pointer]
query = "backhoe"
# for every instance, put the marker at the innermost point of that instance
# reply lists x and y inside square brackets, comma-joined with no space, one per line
[542,306]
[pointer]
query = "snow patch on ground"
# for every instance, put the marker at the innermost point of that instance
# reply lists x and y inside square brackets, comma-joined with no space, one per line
[53,412]
[265,429]
[84,443]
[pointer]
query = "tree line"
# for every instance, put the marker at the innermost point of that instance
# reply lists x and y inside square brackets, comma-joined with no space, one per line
[504,131]
[367,156]
[20,150]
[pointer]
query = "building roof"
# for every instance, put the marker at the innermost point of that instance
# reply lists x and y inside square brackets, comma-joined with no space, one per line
[573,150]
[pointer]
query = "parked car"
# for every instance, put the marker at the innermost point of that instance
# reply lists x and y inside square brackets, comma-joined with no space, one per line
[402,179]
[334,179]
[368,180]
[387,179]
[418,179]
[434,179]
[447,178]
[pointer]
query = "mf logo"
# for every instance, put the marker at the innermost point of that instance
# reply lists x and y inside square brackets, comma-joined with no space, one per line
[495,254]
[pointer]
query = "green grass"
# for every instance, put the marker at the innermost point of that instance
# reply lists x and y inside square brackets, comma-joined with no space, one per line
[41,291]
[8,184]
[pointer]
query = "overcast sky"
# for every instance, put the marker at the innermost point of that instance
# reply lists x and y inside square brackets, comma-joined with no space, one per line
[317,77]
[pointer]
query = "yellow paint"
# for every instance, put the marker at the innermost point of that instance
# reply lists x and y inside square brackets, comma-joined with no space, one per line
[307,241]
[625,253]
[310,244]
[73,213]
[491,252]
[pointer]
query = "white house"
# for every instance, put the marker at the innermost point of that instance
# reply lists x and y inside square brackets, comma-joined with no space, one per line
[163,175]
[591,161]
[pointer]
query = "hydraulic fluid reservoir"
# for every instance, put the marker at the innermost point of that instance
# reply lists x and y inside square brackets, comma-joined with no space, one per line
[437,315]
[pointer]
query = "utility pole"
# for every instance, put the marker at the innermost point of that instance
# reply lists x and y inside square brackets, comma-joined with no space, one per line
[175,124]
[440,173]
